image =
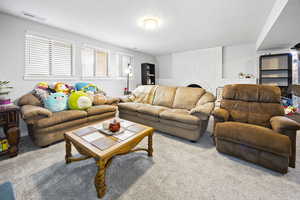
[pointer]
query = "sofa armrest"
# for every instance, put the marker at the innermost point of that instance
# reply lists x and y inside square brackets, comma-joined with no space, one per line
[112,100]
[281,124]
[127,98]
[221,114]
[203,111]
[30,111]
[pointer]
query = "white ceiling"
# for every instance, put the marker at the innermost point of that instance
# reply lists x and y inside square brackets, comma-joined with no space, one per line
[285,31]
[186,24]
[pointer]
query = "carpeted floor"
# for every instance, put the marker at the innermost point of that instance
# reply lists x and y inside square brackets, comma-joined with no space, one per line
[179,170]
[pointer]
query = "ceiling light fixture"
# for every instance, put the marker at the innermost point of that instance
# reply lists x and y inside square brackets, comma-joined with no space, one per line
[149,23]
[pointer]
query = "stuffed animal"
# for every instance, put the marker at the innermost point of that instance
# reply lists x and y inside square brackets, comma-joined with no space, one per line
[56,102]
[62,87]
[79,100]
[42,85]
[86,87]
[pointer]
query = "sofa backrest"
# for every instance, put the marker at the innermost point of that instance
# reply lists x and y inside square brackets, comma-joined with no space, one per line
[254,104]
[29,99]
[164,96]
[144,94]
[187,97]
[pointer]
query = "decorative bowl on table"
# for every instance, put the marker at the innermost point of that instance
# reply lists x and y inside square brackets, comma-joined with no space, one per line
[114,126]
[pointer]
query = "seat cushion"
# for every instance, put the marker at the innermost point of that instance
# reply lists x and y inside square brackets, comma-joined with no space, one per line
[60,117]
[254,136]
[132,106]
[151,109]
[164,96]
[187,97]
[179,115]
[95,110]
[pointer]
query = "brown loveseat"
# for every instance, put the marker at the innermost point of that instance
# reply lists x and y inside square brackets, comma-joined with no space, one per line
[180,111]
[250,125]
[46,127]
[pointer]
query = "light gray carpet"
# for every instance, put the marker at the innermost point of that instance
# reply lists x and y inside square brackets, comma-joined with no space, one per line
[179,170]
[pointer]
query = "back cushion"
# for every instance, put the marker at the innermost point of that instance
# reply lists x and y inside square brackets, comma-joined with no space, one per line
[187,98]
[252,112]
[252,92]
[164,96]
[29,99]
[144,94]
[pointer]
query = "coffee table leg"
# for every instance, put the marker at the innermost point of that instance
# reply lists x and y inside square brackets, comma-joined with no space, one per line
[100,178]
[68,151]
[150,148]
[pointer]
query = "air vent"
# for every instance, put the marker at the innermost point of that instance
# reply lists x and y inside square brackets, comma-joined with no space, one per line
[32,16]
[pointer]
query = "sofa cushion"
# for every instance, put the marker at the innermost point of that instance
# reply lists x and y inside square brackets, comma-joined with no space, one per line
[151,109]
[180,115]
[144,94]
[252,92]
[187,97]
[254,136]
[60,117]
[29,99]
[164,96]
[132,106]
[95,110]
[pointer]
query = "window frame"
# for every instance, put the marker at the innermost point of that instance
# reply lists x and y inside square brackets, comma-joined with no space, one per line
[49,76]
[95,49]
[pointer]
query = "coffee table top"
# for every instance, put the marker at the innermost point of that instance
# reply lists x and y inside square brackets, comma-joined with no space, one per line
[87,137]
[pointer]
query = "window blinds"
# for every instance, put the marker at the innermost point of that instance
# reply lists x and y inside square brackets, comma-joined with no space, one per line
[94,62]
[46,57]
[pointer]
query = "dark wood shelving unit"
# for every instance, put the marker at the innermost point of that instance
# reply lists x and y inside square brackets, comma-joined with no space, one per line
[148,74]
[276,69]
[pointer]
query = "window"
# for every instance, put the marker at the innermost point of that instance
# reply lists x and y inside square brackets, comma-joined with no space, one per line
[94,62]
[124,61]
[47,57]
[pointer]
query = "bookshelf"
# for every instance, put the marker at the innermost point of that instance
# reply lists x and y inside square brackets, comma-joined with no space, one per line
[148,74]
[276,70]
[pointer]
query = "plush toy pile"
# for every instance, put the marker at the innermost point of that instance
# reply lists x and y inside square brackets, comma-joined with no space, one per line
[61,96]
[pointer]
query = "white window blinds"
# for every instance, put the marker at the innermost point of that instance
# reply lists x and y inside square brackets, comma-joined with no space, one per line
[94,62]
[47,57]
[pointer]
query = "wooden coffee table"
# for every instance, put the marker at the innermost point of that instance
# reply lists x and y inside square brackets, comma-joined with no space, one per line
[104,157]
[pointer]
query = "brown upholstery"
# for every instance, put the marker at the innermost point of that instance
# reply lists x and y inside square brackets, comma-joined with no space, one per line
[29,99]
[29,111]
[180,111]
[60,117]
[250,117]
[254,136]
[94,110]
[187,98]
[151,110]
[45,127]
[129,106]
[179,115]
[164,96]
[252,93]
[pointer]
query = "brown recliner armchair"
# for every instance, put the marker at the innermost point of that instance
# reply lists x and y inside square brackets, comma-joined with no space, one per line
[250,125]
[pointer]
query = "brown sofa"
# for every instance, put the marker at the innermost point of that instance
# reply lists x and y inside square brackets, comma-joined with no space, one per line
[250,125]
[180,111]
[46,127]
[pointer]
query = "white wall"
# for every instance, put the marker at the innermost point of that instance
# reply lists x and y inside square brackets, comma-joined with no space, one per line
[12,43]
[210,68]
[239,58]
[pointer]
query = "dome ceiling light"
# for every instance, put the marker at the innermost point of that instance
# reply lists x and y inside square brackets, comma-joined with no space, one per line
[149,23]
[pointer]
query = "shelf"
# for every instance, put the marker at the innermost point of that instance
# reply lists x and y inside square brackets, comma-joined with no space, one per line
[4,152]
[273,77]
[274,69]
